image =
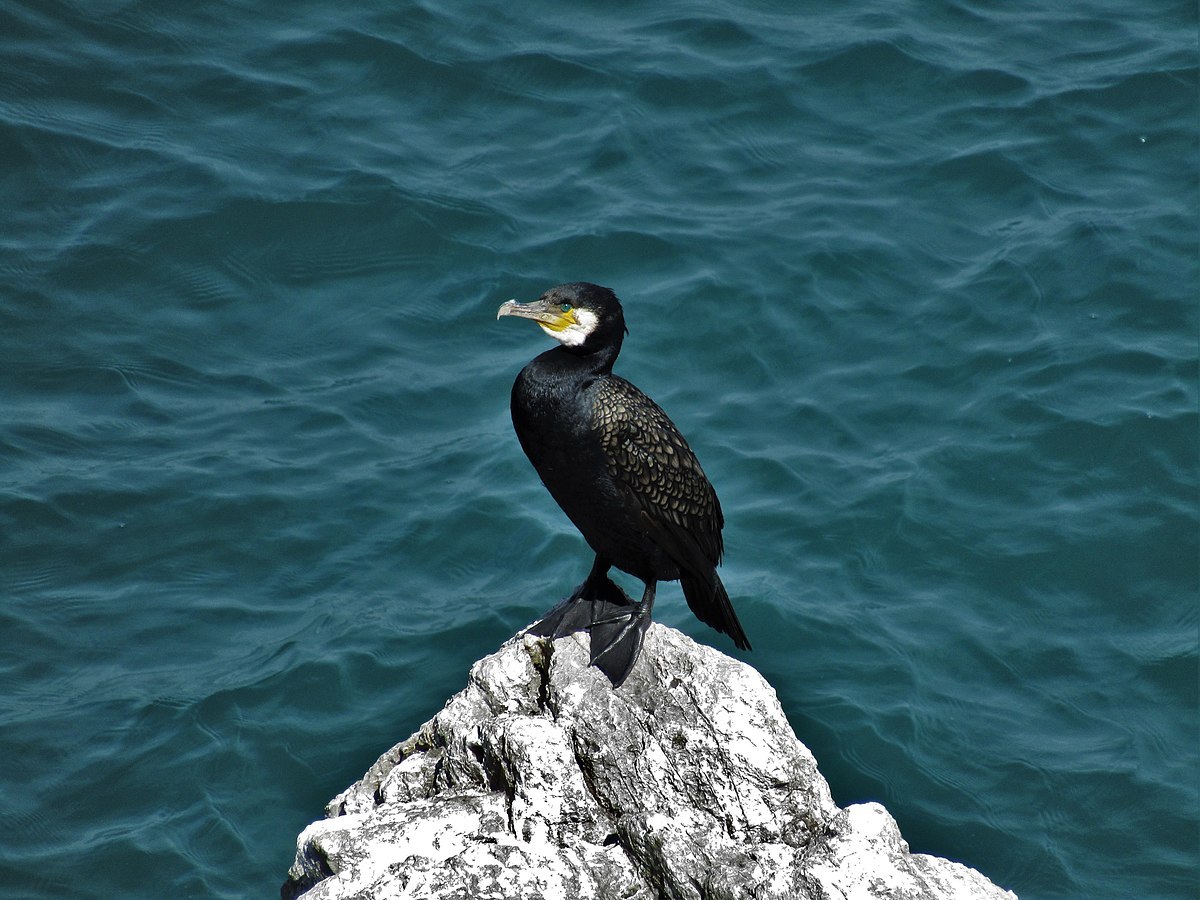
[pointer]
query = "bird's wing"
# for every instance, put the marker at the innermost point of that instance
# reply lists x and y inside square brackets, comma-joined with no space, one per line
[658,472]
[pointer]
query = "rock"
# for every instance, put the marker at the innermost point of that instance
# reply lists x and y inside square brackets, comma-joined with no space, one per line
[539,780]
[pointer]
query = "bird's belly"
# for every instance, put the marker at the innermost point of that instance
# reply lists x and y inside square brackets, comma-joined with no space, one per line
[573,471]
[618,537]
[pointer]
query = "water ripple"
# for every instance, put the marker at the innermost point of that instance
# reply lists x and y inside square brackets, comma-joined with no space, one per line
[916,288]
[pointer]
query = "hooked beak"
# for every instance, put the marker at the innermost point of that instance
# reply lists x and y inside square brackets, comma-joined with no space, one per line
[549,315]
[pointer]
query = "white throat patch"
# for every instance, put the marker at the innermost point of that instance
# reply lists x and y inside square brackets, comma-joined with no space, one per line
[577,332]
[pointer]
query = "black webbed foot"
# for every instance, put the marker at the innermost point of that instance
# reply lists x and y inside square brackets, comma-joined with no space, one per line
[616,624]
[617,641]
[597,599]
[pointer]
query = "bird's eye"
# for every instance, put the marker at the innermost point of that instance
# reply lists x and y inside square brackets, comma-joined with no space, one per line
[566,307]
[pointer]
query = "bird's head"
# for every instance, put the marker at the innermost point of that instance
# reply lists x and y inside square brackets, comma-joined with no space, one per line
[583,317]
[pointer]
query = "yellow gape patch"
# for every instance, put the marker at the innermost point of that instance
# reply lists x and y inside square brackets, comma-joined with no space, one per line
[559,323]
[571,328]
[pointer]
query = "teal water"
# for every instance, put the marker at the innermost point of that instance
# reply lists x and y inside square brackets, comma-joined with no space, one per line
[918,281]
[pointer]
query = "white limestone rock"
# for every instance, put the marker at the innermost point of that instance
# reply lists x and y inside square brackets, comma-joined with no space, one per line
[539,780]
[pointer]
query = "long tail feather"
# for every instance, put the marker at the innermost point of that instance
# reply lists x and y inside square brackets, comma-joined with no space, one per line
[709,601]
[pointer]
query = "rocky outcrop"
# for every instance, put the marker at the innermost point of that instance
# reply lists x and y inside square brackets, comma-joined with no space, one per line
[539,780]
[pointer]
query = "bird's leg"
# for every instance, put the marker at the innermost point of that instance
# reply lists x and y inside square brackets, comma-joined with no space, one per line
[630,612]
[596,598]
[594,585]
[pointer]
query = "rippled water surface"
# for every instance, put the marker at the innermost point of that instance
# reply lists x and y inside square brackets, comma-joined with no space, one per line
[917,280]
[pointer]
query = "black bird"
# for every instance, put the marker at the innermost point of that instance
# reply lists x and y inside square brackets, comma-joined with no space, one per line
[622,472]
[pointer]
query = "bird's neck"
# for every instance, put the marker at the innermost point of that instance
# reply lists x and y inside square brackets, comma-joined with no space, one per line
[584,365]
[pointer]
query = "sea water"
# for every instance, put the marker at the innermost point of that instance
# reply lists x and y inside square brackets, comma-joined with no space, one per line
[917,281]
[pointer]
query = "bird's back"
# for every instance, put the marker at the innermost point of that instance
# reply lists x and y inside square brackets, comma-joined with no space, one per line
[659,474]
[666,492]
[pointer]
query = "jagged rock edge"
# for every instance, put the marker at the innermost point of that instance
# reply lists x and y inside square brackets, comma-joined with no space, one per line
[542,659]
[655,873]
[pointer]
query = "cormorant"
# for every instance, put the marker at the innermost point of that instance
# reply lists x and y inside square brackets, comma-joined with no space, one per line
[622,473]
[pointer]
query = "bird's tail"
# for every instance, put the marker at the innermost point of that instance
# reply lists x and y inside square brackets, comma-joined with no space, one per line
[709,601]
